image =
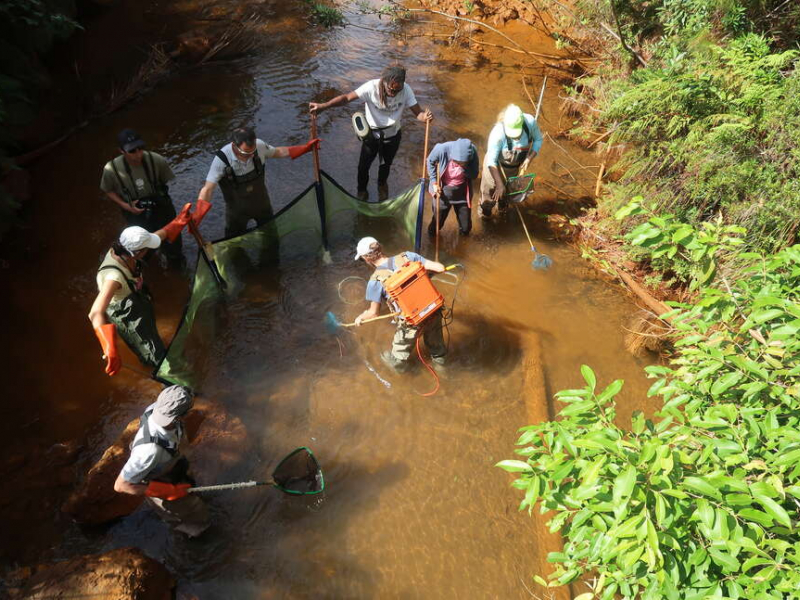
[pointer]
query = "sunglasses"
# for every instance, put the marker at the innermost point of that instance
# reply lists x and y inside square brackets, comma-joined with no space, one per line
[244,152]
[394,90]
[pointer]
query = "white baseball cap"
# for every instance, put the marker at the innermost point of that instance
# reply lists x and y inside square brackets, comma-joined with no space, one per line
[363,246]
[134,239]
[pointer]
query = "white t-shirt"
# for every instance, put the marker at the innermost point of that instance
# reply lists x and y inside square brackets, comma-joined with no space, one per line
[379,116]
[146,457]
[217,170]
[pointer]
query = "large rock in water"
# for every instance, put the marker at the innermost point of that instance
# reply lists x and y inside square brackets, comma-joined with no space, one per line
[122,574]
[218,441]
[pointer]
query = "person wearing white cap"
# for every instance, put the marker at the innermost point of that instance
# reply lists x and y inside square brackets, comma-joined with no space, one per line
[157,469]
[399,357]
[514,140]
[123,304]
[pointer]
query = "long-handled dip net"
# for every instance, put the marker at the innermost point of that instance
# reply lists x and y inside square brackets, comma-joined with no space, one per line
[298,474]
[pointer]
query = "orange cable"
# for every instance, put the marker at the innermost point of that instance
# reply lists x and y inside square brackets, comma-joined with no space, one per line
[427,366]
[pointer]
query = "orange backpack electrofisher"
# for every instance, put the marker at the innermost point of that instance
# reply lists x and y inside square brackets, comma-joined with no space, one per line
[411,292]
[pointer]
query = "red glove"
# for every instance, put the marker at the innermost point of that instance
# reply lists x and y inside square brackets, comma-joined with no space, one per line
[295,151]
[167,491]
[173,228]
[201,207]
[107,335]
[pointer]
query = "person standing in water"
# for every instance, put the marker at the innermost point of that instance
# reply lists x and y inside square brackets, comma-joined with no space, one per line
[399,357]
[123,304]
[157,467]
[514,140]
[451,168]
[238,169]
[385,100]
[136,181]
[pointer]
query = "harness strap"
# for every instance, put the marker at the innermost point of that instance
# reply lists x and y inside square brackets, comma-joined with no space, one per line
[380,275]
[257,164]
[119,179]
[131,284]
[148,438]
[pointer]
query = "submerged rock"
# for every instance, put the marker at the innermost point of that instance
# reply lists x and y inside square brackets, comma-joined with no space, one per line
[122,574]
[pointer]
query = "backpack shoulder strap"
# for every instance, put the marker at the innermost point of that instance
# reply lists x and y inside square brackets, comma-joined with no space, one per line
[119,179]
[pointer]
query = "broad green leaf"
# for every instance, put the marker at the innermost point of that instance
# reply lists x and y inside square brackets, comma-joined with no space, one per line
[623,484]
[588,376]
[514,466]
[725,382]
[751,514]
[775,510]
[702,486]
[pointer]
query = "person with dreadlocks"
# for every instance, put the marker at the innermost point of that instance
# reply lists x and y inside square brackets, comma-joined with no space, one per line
[385,99]
[399,357]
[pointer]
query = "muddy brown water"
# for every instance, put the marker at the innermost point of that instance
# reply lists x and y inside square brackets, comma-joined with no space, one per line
[414,506]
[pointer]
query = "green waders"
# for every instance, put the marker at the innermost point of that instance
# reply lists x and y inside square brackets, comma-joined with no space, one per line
[136,323]
[405,338]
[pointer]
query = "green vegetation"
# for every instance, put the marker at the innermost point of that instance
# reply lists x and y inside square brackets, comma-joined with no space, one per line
[711,124]
[703,502]
[327,16]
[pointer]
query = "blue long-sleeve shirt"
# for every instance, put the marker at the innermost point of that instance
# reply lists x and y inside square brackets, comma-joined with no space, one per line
[498,141]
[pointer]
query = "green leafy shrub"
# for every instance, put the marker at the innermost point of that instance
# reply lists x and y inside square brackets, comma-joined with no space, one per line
[703,502]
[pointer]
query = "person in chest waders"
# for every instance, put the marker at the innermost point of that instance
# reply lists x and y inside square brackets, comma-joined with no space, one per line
[515,139]
[123,304]
[238,169]
[451,168]
[385,100]
[137,182]
[157,468]
[399,357]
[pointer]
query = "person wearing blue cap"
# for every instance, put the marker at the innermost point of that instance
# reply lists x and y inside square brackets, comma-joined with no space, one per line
[514,140]
[451,168]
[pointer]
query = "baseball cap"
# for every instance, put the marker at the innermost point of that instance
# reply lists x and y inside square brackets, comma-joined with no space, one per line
[173,402]
[134,239]
[512,121]
[129,140]
[363,246]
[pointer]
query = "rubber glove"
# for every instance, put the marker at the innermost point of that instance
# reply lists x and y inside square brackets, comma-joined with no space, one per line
[173,228]
[201,207]
[295,151]
[167,491]
[107,335]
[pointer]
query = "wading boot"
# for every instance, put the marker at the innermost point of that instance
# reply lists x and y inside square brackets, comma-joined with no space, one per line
[439,364]
[362,195]
[383,192]
[398,366]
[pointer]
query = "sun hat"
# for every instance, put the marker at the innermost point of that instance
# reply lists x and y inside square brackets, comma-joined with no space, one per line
[172,403]
[134,239]
[512,121]
[363,246]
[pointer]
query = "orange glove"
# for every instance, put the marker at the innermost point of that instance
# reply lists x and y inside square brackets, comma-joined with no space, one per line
[167,491]
[173,228]
[295,151]
[201,207]
[107,335]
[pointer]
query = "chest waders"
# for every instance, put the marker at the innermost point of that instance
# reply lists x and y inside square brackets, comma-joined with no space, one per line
[188,514]
[136,322]
[512,158]
[246,196]
[158,207]
[405,335]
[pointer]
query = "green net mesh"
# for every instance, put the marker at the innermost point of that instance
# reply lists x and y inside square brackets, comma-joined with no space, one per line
[320,217]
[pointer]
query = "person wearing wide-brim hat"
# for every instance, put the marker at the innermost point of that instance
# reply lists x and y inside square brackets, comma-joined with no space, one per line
[514,140]
[156,467]
[123,304]
[136,181]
